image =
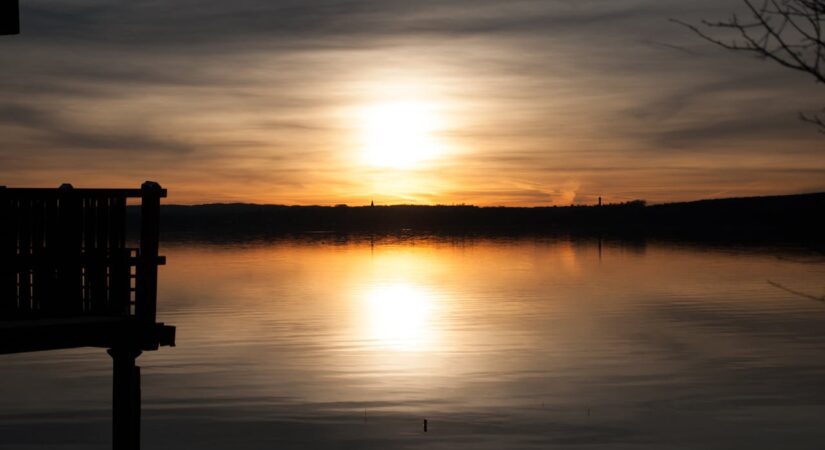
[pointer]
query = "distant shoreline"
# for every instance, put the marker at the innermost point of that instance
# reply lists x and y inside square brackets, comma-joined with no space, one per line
[795,217]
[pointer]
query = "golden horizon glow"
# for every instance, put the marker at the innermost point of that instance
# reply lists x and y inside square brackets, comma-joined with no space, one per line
[400,134]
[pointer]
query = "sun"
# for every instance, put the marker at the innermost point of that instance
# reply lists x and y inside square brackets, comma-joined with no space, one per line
[400,135]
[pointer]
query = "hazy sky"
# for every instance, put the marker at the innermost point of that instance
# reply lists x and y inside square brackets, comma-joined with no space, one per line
[344,101]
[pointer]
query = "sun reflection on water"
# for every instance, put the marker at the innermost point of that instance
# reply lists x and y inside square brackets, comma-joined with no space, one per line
[399,316]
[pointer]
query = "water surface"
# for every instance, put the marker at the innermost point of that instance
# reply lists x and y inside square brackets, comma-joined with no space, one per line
[528,343]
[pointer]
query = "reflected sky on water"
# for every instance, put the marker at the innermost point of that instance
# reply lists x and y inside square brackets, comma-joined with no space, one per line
[528,343]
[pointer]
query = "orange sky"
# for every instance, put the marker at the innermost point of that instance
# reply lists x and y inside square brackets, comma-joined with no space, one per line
[528,103]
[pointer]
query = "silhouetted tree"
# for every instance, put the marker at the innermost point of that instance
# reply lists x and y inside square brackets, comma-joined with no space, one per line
[788,32]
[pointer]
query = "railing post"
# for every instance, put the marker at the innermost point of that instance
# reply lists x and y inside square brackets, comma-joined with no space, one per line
[8,249]
[146,288]
[69,266]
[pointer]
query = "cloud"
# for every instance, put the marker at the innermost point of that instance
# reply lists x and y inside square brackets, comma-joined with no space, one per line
[52,131]
[536,92]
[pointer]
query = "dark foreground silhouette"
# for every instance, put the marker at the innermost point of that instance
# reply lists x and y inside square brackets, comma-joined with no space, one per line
[775,217]
[9,17]
[68,279]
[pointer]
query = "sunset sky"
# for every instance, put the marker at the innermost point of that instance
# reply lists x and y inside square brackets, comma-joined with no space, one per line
[487,102]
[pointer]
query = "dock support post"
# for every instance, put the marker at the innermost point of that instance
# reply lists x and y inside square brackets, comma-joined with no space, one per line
[125,399]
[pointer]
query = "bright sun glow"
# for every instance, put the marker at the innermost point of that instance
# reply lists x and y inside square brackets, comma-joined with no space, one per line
[400,135]
[399,316]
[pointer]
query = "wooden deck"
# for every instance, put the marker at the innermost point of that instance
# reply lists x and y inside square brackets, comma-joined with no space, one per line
[18,336]
[68,279]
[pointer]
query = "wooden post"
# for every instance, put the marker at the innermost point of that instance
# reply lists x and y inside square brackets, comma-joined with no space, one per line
[147,267]
[23,269]
[70,269]
[99,239]
[8,251]
[119,280]
[125,398]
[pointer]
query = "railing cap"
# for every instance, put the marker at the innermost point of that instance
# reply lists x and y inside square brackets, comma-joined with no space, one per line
[151,185]
[154,189]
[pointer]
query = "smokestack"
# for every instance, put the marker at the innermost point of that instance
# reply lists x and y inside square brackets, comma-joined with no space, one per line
[600,201]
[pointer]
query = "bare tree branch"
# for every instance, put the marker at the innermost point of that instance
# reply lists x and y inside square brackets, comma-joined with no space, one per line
[797,293]
[815,119]
[787,32]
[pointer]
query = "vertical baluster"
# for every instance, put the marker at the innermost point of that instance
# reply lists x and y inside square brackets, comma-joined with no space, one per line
[24,255]
[102,237]
[97,268]
[49,292]
[89,223]
[8,249]
[39,267]
[119,266]
[43,212]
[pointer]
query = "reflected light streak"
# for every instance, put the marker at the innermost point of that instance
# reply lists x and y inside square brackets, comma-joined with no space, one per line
[399,316]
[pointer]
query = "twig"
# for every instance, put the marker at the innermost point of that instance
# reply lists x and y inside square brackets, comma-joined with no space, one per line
[797,293]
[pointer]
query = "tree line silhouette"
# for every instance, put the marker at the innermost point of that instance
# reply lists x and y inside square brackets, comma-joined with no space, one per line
[793,216]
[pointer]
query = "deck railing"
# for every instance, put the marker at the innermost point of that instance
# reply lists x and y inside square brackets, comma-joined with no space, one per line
[64,253]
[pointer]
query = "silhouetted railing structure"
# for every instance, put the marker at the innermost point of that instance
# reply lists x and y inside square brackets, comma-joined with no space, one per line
[65,253]
[68,278]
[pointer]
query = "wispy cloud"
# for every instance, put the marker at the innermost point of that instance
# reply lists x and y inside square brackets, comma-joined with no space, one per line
[255,100]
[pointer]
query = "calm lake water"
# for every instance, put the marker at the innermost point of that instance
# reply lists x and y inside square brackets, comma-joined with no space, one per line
[500,344]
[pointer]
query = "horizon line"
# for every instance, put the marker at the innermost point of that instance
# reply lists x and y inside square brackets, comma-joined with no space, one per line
[367,205]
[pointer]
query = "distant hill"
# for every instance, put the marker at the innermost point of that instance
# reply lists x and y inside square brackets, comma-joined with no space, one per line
[797,215]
